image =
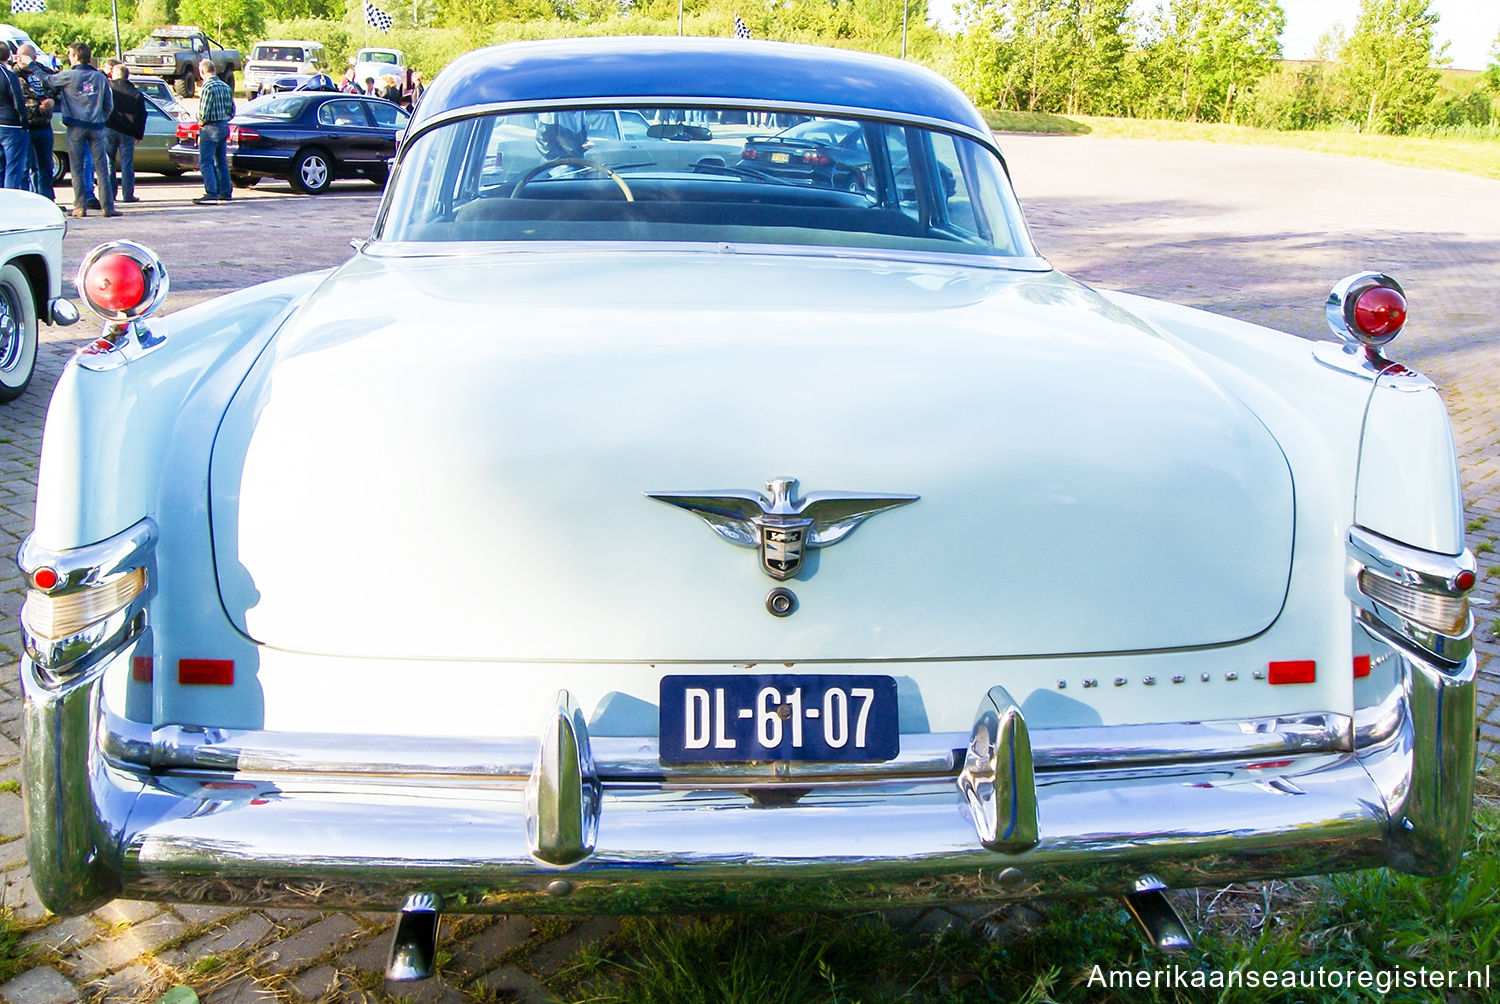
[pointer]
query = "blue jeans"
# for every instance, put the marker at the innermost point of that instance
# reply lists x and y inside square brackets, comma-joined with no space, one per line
[122,162]
[213,159]
[41,147]
[90,139]
[15,156]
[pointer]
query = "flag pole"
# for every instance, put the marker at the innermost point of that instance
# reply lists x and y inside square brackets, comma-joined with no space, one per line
[679,18]
[114,8]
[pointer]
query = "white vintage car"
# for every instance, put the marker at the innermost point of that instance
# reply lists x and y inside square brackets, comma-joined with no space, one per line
[628,530]
[31,236]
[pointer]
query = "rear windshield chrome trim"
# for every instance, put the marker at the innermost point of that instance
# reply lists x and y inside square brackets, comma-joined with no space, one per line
[474,249]
[635,759]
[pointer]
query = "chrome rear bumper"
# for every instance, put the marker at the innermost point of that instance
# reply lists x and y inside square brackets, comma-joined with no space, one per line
[100,828]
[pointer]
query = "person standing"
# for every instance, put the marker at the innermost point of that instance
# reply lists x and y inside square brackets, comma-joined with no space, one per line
[33,75]
[86,103]
[215,109]
[126,128]
[15,140]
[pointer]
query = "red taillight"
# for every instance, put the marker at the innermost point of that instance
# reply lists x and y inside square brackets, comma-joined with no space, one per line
[1294,671]
[115,282]
[1464,581]
[206,671]
[748,153]
[1379,311]
[44,578]
[243,134]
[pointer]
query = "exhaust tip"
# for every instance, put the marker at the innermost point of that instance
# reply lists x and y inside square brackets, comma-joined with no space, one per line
[414,944]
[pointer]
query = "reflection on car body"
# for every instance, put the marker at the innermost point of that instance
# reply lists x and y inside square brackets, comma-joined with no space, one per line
[669,535]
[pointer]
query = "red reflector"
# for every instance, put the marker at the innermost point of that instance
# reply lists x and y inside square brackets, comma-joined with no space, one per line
[1296,671]
[115,282]
[1268,765]
[142,669]
[44,578]
[1361,666]
[209,671]
[1379,311]
[1464,580]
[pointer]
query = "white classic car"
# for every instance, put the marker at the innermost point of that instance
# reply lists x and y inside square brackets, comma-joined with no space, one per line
[617,532]
[31,236]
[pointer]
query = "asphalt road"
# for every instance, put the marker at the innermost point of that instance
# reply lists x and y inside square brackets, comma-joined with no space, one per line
[1258,233]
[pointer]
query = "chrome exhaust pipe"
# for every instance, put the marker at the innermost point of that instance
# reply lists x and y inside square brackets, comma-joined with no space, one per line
[414,943]
[1157,919]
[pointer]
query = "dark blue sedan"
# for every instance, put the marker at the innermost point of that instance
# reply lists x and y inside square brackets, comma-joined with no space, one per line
[310,139]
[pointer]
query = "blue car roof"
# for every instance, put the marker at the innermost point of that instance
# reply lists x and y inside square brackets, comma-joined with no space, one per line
[670,67]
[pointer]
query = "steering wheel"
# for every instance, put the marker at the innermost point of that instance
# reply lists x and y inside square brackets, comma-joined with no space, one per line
[547,165]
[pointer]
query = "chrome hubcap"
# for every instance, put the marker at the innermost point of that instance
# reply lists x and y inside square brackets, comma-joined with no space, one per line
[314,172]
[10,329]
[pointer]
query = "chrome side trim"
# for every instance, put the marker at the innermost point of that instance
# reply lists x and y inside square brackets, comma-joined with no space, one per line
[184,747]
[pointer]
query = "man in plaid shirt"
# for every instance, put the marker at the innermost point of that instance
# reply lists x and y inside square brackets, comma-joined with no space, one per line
[215,109]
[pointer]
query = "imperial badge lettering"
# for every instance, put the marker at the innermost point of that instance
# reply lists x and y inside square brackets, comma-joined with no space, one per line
[779,523]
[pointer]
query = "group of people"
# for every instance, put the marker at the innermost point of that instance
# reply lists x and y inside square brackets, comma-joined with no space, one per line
[104,115]
[388,87]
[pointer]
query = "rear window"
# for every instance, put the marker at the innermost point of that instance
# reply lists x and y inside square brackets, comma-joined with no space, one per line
[729,175]
[278,108]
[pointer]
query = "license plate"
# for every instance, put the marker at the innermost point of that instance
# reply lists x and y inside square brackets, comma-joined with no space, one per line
[781,158]
[750,719]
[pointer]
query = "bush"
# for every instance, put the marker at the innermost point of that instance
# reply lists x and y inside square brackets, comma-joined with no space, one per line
[55,32]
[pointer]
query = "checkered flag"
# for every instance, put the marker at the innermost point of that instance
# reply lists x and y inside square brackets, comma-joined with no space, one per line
[377,18]
[741,29]
[28,6]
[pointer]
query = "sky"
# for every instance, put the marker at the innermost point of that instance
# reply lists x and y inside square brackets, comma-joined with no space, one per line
[1468,26]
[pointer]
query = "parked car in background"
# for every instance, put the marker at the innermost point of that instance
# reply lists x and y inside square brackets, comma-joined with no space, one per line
[16,37]
[609,538]
[31,236]
[310,138]
[173,53]
[275,59]
[376,63]
[157,90]
[829,153]
[152,153]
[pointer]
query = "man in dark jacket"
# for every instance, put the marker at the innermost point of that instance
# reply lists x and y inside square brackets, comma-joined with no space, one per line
[126,126]
[15,141]
[38,114]
[86,103]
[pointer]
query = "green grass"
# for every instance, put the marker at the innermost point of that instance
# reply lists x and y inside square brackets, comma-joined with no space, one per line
[14,957]
[1376,921]
[1476,155]
[1040,123]
[1476,524]
[1484,547]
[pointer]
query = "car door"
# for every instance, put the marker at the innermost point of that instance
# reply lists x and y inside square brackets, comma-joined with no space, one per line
[346,128]
[389,120]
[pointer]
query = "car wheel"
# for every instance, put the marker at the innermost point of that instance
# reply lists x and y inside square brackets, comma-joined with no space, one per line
[172,172]
[59,166]
[184,85]
[313,172]
[244,180]
[378,176]
[18,333]
[228,78]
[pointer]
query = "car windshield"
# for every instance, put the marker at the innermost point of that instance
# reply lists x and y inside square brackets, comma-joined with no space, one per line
[171,42]
[277,53]
[704,174]
[375,56]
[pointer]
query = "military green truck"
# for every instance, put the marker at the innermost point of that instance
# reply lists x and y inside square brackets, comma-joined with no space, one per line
[173,52]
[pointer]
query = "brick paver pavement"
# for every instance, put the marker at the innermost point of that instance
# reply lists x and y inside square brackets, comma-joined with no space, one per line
[1257,233]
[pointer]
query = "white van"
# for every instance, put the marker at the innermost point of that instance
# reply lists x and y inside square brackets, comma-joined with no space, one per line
[279,58]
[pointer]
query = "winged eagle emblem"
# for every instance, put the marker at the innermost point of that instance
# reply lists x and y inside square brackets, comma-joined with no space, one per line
[779,522]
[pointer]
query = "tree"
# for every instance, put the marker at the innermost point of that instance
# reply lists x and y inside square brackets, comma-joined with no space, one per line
[1492,75]
[1214,52]
[229,22]
[1388,65]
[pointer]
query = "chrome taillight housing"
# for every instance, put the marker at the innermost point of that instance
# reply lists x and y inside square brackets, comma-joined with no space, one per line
[1420,597]
[1368,308]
